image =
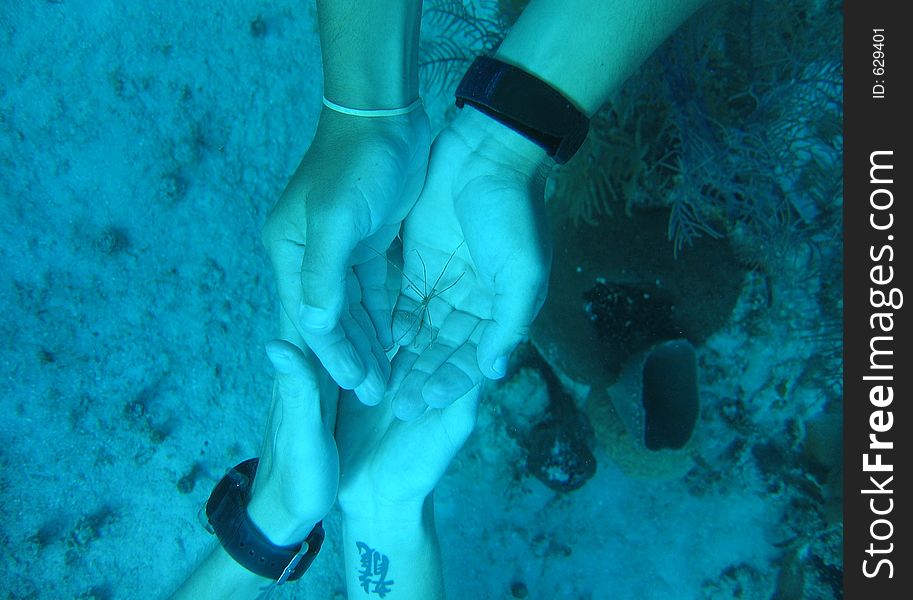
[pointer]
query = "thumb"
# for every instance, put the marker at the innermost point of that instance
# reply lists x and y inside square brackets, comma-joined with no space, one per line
[331,238]
[513,312]
[459,419]
[296,380]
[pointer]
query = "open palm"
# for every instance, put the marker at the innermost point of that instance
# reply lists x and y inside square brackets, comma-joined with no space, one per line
[476,259]
[392,465]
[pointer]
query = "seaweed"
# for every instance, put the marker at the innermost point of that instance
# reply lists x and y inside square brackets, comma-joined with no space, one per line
[97,592]
[756,95]
[735,125]
[460,31]
[630,159]
[111,240]
[188,481]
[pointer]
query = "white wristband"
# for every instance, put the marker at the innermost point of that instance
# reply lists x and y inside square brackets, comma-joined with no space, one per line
[379,112]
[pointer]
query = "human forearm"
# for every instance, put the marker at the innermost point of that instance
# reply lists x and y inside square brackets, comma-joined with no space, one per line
[219,576]
[370,51]
[587,48]
[393,552]
[264,524]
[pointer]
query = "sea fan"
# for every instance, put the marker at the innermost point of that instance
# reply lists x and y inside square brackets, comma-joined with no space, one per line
[756,94]
[458,31]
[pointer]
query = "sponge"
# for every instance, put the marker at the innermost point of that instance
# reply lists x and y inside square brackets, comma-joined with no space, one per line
[670,396]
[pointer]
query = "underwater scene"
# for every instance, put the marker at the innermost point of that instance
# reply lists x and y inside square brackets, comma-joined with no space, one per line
[670,427]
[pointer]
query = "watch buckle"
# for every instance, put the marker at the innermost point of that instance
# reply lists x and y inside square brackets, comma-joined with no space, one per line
[204,520]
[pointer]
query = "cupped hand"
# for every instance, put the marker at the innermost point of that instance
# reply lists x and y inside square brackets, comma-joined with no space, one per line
[476,256]
[298,473]
[388,467]
[327,234]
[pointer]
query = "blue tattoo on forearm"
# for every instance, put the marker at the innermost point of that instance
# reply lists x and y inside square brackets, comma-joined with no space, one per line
[373,573]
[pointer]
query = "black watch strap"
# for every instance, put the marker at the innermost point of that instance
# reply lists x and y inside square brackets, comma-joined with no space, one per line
[526,104]
[226,511]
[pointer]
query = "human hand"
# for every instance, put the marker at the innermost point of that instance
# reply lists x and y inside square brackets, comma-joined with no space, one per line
[328,231]
[389,467]
[298,473]
[476,261]
[296,479]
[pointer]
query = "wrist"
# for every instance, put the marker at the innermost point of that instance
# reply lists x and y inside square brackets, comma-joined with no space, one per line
[375,87]
[279,525]
[370,52]
[384,515]
[401,525]
[499,143]
[334,124]
[398,553]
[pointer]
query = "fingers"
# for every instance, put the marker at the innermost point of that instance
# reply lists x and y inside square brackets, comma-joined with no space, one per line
[283,503]
[443,372]
[451,361]
[288,331]
[360,330]
[408,319]
[513,262]
[503,334]
[337,353]
[350,351]
[520,291]
[372,275]
[406,405]
[331,238]
[327,387]
[296,381]
[427,445]
[453,378]
[311,273]
[286,256]
[459,419]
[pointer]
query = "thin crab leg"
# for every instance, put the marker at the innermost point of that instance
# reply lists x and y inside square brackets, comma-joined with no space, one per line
[446,264]
[412,283]
[422,310]
[418,311]
[436,294]
[424,272]
[427,308]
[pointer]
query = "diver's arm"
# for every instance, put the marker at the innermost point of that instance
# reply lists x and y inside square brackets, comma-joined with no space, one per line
[587,48]
[395,550]
[370,51]
[286,499]
[219,576]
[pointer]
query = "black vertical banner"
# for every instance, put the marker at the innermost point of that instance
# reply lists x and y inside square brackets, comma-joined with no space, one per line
[878,368]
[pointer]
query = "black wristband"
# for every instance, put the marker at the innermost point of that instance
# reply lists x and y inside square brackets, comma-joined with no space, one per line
[526,104]
[226,511]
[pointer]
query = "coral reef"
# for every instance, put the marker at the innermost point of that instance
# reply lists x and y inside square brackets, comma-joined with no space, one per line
[630,158]
[760,121]
[559,457]
[629,316]
[544,420]
[626,263]
[737,135]
[670,396]
[615,291]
